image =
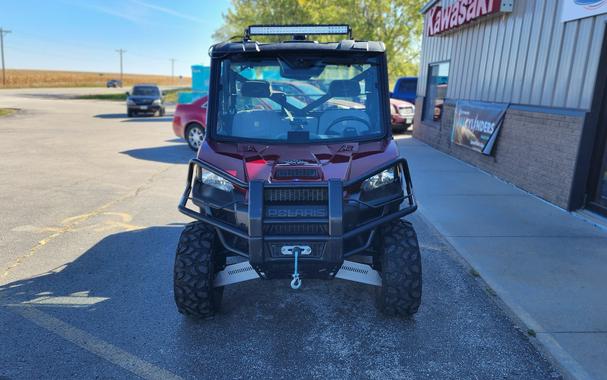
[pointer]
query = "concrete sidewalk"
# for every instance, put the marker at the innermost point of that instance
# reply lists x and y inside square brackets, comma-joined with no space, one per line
[547,265]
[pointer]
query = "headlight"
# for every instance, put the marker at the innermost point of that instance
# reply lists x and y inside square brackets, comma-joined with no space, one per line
[130,102]
[157,101]
[212,179]
[380,179]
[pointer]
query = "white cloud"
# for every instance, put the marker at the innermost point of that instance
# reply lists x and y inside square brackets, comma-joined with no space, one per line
[168,11]
[120,13]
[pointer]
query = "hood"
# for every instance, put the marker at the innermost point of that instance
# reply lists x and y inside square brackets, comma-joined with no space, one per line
[287,163]
[400,103]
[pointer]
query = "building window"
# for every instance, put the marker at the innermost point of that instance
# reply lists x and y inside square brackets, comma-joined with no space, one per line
[436,91]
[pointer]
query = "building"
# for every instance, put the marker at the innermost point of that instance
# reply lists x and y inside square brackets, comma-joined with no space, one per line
[518,88]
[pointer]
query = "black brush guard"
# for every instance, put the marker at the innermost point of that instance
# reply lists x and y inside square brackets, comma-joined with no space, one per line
[332,256]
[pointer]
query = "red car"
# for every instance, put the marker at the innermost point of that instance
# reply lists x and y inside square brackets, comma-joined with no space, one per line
[190,121]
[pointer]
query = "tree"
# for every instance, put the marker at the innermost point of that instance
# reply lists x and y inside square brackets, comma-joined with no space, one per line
[397,23]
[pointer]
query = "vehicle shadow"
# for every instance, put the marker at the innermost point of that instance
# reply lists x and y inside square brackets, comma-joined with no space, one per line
[111,116]
[170,154]
[148,119]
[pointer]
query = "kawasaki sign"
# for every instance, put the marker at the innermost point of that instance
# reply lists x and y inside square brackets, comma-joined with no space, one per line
[460,12]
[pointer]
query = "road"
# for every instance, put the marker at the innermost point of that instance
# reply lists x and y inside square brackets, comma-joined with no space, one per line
[87,237]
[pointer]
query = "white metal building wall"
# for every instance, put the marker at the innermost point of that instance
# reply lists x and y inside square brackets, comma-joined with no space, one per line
[525,57]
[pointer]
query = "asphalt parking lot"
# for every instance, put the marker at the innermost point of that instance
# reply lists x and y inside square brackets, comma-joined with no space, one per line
[88,229]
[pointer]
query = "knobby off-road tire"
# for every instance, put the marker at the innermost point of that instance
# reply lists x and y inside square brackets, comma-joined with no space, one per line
[401,271]
[196,263]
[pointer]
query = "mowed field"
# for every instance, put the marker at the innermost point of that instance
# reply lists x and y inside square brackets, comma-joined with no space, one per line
[47,78]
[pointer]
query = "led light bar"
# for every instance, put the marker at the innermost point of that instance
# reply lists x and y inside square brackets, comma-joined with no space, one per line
[281,30]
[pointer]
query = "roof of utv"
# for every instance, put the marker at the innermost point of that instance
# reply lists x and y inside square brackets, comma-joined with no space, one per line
[299,42]
[309,46]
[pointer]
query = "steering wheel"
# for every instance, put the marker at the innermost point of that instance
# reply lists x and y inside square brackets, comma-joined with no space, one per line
[344,118]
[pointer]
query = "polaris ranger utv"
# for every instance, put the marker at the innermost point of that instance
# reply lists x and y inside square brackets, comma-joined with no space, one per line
[298,175]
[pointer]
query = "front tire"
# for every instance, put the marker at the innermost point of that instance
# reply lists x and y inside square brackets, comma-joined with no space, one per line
[196,263]
[401,270]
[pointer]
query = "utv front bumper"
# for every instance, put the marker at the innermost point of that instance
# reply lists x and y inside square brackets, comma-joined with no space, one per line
[327,221]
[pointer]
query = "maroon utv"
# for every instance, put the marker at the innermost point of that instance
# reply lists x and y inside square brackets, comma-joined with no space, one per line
[292,185]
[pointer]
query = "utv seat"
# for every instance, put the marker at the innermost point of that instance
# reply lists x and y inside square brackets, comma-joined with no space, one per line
[259,124]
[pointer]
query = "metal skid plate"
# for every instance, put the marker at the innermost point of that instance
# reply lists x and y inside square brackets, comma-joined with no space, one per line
[350,271]
[358,272]
[235,273]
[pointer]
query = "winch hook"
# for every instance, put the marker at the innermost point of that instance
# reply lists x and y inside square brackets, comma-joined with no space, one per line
[296,281]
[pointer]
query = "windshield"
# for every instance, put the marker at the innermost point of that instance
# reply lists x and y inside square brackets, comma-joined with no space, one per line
[407,85]
[296,99]
[145,91]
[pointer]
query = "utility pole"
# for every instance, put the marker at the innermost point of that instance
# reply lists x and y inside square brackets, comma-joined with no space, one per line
[173,70]
[2,33]
[121,51]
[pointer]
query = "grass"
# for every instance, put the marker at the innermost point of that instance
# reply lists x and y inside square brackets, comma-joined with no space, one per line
[6,111]
[169,97]
[49,78]
[116,97]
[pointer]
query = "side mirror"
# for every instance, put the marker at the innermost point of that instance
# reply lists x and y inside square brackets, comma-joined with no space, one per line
[128,94]
[163,93]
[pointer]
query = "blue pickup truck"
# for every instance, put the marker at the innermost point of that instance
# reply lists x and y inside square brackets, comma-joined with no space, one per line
[405,89]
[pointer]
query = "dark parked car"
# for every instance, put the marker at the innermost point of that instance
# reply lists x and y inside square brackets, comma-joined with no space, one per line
[113,83]
[145,98]
[405,89]
[286,186]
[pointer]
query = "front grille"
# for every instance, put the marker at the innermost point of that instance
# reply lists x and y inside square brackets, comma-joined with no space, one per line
[405,110]
[299,194]
[296,229]
[296,173]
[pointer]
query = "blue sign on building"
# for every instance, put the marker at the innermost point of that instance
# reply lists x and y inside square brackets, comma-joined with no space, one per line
[200,84]
[200,78]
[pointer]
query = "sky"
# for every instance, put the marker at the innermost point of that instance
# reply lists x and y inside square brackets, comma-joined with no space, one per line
[83,35]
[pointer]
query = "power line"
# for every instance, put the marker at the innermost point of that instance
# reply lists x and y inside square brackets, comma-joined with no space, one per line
[173,70]
[2,33]
[121,51]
